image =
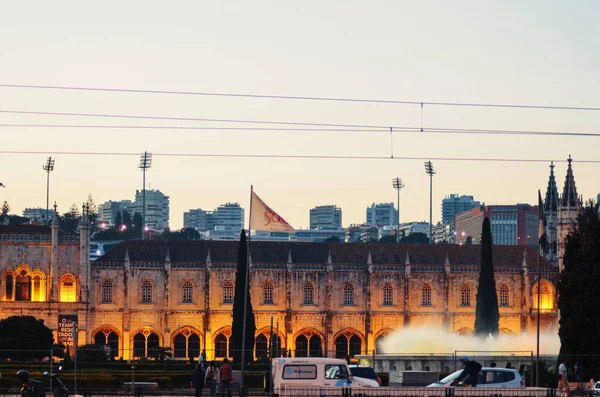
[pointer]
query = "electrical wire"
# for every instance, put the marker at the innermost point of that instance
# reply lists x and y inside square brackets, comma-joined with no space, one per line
[304,98]
[287,156]
[391,129]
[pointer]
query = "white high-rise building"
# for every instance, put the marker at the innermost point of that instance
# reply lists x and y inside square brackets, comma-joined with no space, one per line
[157,208]
[38,214]
[382,214]
[107,212]
[227,217]
[326,217]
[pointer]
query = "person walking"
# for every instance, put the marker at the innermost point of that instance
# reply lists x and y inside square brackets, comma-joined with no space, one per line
[211,379]
[225,378]
[470,374]
[197,381]
[563,383]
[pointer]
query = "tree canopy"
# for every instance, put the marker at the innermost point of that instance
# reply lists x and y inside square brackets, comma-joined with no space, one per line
[24,337]
[578,293]
[238,308]
[415,238]
[487,315]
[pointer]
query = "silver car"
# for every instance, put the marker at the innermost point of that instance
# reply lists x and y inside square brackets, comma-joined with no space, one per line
[488,377]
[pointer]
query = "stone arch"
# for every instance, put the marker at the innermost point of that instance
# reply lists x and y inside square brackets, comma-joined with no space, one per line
[108,335]
[426,293]
[145,341]
[348,343]
[67,289]
[308,342]
[464,331]
[506,331]
[262,343]
[380,337]
[547,298]
[221,339]
[186,342]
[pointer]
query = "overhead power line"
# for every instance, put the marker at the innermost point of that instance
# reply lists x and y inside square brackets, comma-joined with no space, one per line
[288,156]
[303,98]
[435,130]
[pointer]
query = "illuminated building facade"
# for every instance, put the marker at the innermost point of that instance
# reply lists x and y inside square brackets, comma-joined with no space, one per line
[330,299]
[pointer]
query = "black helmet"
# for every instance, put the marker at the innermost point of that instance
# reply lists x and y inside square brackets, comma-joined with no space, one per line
[23,376]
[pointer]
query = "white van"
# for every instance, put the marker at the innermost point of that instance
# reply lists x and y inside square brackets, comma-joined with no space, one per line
[291,375]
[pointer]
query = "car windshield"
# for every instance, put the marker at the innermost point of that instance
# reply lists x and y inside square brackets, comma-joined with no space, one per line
[450,377]
[363,372]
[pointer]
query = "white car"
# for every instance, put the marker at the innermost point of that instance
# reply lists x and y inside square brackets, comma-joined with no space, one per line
[488,377]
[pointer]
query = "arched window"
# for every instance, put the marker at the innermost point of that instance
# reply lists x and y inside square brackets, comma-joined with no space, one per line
[187,292]
[146,291]
[68,288]
[309,293]
[309,345]
[23,286]
[221,345]
[268,293]
[261,346]
[503,292]
[108,337]
[465,295]
[379,343]
[426,295]
[347,345]
[186,344]
[227,292]
[348,294]
[145,344]
[9,287]
[388,294]
[107,291]
[546,298]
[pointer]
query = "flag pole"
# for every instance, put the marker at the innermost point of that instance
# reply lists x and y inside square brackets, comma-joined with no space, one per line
[243,363]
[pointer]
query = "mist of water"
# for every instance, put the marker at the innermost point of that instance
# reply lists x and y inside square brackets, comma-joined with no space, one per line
[430,340]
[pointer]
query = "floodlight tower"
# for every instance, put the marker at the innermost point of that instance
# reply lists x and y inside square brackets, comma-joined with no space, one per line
[145,163]
[397,184]
[429,171]
[48,167]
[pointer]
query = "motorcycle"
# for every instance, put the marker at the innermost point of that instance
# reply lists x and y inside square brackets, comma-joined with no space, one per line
[31,388]
[60,390]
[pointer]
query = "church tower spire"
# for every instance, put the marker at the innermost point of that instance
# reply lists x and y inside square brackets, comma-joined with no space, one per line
[551,204]
[568,208]
[569,197]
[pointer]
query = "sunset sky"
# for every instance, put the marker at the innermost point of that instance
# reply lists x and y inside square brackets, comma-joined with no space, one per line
[509,52]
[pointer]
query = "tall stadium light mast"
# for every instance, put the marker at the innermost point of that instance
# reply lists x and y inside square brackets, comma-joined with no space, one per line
[48,167]
[397,183]
[145,163]
[429,171]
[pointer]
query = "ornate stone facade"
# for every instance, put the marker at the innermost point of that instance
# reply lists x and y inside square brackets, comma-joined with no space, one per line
[335,299]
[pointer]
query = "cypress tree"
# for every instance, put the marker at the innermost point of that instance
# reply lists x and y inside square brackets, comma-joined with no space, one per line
[486,312]
[238,309]
[578,293]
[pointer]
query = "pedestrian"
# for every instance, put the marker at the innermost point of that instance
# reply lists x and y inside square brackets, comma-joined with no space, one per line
[493,364]
[508,365]
[225,378]
[578,373]
[563,383]
[470,374]
[211,379]
[197,381]
[202,360]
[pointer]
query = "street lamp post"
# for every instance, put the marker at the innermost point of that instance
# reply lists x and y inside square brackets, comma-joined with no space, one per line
[48,167]
[145,163]
[429,171]
[397,183]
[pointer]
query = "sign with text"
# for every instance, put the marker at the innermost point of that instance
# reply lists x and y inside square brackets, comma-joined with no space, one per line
[67,329]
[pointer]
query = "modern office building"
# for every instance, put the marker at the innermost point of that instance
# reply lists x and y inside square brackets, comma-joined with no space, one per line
[382,214]
[227,217]
[107,212]
[414,227]
[157,208]
[326,217]
[38,215]
[511,224]
[455,204]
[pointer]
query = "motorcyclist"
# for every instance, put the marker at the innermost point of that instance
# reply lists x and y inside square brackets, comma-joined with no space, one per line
[470,373]
[31,388]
